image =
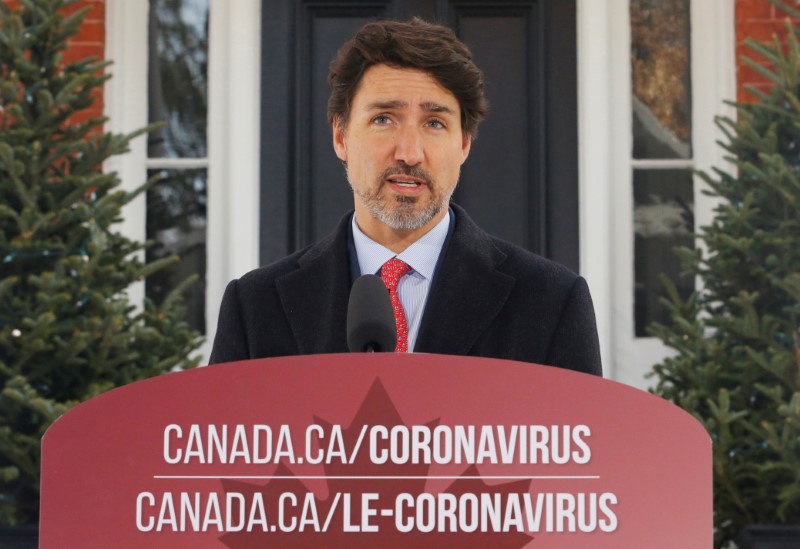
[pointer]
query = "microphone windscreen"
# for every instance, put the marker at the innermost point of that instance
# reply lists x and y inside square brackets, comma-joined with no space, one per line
[370,318]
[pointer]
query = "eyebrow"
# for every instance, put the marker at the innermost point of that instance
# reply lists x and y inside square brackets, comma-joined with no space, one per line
[428,106]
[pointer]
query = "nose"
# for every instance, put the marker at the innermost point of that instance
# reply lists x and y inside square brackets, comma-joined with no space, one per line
[408,147]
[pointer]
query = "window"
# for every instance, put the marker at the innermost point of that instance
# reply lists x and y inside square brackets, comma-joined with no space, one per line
[652,76]
[662,155]
[177,152]
[196,65]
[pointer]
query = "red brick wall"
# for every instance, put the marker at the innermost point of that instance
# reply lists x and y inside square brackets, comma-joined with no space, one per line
[90,41]
[759,20]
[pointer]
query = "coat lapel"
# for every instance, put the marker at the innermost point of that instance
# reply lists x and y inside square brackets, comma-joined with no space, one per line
[315,296]
[467,294]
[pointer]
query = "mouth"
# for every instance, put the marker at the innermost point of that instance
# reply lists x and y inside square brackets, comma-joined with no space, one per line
[405,181]
[406,184]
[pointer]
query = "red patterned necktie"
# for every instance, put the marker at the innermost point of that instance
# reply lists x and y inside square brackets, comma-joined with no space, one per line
[391,273]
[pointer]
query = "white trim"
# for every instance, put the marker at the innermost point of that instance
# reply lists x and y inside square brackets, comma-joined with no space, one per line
[234,148]
[663,164]
[621,211]
[176,163]
[594,163]
[126,106]
[713,64]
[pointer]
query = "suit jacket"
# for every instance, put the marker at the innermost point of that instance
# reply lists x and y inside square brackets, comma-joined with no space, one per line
[489,298]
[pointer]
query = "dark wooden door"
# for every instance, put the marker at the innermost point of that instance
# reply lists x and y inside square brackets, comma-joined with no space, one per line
[521,179]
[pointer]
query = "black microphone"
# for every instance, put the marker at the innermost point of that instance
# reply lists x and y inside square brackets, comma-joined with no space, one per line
[370,318]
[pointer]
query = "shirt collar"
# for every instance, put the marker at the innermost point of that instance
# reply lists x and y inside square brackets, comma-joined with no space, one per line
[422,255]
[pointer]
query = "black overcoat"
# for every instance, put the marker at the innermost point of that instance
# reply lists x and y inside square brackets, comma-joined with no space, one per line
[489,298]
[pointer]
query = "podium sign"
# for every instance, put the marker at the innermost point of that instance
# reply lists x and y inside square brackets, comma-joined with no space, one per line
[385,450]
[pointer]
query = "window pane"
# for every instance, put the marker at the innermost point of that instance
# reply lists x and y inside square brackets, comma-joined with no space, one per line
[660,70]
[663,219]
[176,221]
[178,80]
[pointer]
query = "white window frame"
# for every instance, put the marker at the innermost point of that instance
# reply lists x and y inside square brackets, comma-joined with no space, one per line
[234,72]
[605,179]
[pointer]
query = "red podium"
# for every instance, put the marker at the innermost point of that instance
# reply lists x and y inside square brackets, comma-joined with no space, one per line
[383,450]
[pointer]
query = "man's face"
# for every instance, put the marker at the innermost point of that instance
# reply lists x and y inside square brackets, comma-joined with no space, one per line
[403,147]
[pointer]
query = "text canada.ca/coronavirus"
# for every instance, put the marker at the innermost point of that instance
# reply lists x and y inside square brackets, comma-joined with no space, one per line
[399,444]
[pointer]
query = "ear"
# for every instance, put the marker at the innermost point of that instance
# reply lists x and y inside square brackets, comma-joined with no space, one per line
[338,140]
[466,145]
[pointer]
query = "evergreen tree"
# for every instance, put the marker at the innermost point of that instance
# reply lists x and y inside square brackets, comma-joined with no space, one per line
[68,331]
[738,363]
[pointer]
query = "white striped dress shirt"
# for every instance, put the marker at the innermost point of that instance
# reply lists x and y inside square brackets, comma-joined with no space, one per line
[422,256]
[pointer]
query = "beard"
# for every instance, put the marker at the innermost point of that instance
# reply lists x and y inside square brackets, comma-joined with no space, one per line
[403,212]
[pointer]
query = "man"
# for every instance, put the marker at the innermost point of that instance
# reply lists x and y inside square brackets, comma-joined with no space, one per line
[405,105]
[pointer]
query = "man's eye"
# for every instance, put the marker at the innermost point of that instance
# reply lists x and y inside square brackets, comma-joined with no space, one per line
[436,124]
[381,119]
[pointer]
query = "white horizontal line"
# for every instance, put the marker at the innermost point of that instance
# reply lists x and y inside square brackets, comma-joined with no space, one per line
[663,164]
[176,163]
[387,477]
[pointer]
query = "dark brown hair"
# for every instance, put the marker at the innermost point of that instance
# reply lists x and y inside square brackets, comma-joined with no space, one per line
[414,44]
